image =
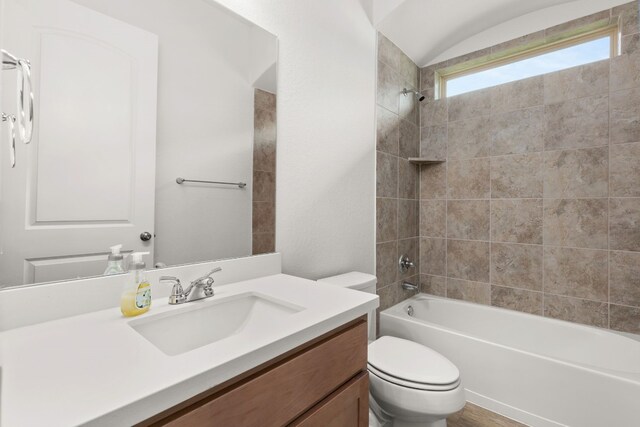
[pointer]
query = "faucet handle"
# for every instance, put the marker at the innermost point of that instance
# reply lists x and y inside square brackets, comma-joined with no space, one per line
[177,293]
[206,279]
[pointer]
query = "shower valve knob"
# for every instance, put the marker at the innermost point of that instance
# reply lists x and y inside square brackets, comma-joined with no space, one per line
[404,263]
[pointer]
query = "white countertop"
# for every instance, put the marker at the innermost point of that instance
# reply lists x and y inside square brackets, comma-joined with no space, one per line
[95,369]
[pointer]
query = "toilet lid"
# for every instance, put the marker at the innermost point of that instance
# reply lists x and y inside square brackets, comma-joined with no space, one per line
[411,362]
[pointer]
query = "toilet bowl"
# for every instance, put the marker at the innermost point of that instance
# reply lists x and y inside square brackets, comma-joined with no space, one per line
[410,385]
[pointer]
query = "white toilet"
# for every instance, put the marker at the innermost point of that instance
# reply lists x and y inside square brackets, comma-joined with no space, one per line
[410,384]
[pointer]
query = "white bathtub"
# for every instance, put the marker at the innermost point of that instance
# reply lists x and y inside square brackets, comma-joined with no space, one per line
[539,371]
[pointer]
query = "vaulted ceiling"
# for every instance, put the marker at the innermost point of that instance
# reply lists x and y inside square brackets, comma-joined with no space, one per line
[430,31]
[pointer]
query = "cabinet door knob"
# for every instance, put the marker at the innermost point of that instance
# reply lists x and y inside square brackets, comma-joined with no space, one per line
[145,236]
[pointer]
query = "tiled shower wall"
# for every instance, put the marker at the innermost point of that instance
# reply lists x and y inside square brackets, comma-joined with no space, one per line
[397,180]
[537,207]
[264,172]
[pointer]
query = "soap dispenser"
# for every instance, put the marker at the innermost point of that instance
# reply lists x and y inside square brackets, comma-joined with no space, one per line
[136,295]
[115,262]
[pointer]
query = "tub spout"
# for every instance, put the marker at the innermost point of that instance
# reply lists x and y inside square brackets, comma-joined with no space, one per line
[408,286]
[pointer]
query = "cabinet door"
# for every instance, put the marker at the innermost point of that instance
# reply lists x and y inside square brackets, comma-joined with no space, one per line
[346,407]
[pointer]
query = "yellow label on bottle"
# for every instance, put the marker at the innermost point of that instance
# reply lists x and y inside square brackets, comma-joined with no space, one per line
[133,303]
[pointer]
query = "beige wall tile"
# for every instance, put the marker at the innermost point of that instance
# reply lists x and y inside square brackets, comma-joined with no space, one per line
[515,176]
[516,266]
[433,112]
[516,44]
[468,260]
[433,181]
[409,139]
[624,276]
[480,293]
[264,100]
[386,219]
[517,299]
[469,56]
[408,180]
[411,248]
[469,138]
[264,125]
[625,319]
[625,170]
[625,69]
[517,95]
[264,217]
[434,285]
[516,221]
[581,273]
[469,179]
[389,296]
[630,44]
[625,116]
[576,310]
[577,82]
[409,71]
[629,15]
[433,218]
[386,175]
[433,256]
[264,186]
[264,156]
[559,151]
[624,224]
[559,31]
[388,131]
[428,75]
[576,173]
[433,144]
[388,52]
[468,219]
[408,217]
[388,87]
[263,243]
[408,106]
[386,263]
[472,104]
[580,223]
[519,131]
[577,123]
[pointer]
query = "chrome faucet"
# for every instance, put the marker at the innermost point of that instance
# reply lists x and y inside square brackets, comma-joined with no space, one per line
[200,288]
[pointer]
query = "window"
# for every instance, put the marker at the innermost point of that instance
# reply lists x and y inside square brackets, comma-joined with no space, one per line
[547,58]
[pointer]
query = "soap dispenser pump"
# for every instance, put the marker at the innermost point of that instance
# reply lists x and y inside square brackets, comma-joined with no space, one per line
[136,295]
[115,262]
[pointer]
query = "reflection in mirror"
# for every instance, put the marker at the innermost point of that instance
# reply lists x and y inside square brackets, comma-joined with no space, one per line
[131,95]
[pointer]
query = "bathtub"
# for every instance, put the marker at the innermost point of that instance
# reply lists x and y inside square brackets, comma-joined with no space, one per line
[539,371]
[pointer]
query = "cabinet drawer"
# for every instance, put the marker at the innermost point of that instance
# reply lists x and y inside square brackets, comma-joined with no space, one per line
[282,393]
[346,407]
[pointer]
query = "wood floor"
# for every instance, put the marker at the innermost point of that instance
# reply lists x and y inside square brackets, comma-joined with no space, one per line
[475,416]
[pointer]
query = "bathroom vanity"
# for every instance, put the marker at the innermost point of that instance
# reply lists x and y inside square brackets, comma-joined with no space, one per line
[324,382]
[269,350]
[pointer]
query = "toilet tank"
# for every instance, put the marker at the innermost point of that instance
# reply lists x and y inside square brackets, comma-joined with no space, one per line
[360,282]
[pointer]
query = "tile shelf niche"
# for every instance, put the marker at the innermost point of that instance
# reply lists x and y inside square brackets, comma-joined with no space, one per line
[424,161]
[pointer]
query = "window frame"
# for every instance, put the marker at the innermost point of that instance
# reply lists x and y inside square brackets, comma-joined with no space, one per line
[612,31]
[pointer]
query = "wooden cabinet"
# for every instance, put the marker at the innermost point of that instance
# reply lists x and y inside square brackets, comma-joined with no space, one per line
[321,383]
[347,406]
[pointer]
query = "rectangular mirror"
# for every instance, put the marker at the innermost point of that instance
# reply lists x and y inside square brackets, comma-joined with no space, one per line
[154,128]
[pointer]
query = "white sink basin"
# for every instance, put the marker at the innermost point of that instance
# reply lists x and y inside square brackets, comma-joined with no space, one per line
[207,321]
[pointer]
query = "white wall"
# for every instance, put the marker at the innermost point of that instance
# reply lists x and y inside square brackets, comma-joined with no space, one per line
[527,24]
[207,67]
[325,209]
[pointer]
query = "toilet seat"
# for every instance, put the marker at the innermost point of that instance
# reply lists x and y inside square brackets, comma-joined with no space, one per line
[410,384]
[409,364]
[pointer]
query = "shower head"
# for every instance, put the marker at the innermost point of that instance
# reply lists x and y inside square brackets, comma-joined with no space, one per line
[418,95]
